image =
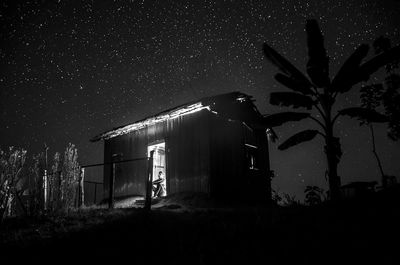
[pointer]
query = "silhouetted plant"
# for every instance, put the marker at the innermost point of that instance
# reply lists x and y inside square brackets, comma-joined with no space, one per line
[371,96]
[69,177]
[276,198]
[289,200]
[17,178]
[374,96]
[12,163]
[320,92]
[314,195]
[54,179]
[391,103]
[390,96]
[35,185]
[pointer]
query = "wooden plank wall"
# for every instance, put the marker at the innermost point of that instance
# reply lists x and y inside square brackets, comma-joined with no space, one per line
[227,158]
[204,153]
[187,154]
[130,176]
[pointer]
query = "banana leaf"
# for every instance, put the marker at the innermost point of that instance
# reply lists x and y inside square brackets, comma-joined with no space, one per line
[363,72]
[363,114]
[294,84]
[318,63]
[278,119]
[377,62]
[343,80]
[290,99]
[284,65]
[300,137]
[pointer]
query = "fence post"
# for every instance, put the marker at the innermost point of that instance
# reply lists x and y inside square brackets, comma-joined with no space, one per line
[95,193]
[149,182]
[82,190]
[45,191]
[111,191]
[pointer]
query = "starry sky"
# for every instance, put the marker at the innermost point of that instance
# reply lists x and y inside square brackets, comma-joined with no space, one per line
[72,69]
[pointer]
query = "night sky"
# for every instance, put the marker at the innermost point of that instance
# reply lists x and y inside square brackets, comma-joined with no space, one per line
[72,69]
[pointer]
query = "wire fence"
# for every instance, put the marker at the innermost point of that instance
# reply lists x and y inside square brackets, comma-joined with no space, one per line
[122,178]
[75,186]
[93,192]
[119,173]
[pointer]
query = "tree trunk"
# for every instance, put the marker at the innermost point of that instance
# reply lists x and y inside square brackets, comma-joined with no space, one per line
[333,153]
[333,178]
[384,182]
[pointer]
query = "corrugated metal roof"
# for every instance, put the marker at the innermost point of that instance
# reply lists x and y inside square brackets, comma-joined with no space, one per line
[234,106]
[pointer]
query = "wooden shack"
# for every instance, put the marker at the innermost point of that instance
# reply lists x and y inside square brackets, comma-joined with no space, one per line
[215,145]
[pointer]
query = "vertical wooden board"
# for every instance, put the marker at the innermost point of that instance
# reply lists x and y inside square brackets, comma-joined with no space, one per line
[204,152]
[106,168]
[227,158]
[130,176]
[198,132]
[170,142]
[187,161]
[263,177]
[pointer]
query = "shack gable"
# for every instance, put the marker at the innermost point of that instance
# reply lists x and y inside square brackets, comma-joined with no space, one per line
[232,106]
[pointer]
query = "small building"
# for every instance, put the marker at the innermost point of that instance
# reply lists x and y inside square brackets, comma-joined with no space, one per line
[216,145]
[358,189]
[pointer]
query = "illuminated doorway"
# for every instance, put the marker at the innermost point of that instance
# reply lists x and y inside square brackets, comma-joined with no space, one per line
[159,166]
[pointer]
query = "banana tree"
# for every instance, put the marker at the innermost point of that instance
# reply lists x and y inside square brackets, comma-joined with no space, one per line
[319,92]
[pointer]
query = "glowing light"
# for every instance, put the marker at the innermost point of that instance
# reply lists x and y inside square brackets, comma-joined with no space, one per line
[156,119]
[250,145]
[271,135]
[241,99]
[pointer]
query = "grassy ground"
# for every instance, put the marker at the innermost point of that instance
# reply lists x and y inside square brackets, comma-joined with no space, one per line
[356,231]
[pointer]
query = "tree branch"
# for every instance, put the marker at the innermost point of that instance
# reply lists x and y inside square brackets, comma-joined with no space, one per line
[334,118]
[320,111]
[320,133]
[316,91]
[317,121]
[371,128]
[334,95]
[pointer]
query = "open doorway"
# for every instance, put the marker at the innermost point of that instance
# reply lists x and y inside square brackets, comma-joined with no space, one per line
[159,172]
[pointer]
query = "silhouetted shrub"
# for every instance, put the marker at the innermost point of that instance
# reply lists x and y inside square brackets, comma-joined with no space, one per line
[32,189]
[12,163]
[314,195]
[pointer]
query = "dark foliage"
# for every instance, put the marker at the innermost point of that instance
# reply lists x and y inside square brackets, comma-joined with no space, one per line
[278,119]
[299,137]
[318,62]
[377,62]
[320,93]
[314,195]
[284,65]
[365,115]
[343,81]
[391,103]
[371,96]
[294,84]
[290,99]
[381,45]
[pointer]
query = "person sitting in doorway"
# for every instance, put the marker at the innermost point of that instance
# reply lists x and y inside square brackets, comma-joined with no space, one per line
[159,186]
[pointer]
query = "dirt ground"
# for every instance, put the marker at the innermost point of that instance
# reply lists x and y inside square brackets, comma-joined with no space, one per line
[192,230]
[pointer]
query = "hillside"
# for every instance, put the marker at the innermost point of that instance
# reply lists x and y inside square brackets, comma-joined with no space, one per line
[354,231]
